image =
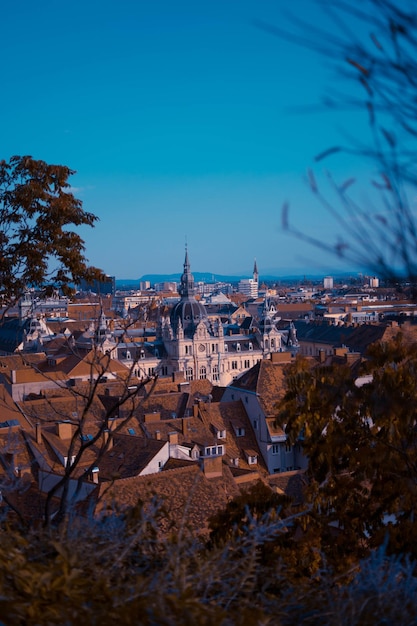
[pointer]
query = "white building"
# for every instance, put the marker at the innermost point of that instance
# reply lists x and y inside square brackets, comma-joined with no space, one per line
[191,346]
[250,286]
[328,282]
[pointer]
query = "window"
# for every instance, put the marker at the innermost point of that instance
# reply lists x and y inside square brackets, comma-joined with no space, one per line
[221,434]
[275,449]
[225,347]
[189,374]
[219,449]
[164,370]
[250,346]
[252,460]
[188,349]
[203,373]
[255,424]
[246,399]
[234,365]
[238,347]
[240,431]
[215,372]
[151,371]
[247,363]
[287,446]
[128,355]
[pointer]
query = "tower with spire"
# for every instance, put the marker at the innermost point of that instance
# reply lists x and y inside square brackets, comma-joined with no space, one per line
[255,273]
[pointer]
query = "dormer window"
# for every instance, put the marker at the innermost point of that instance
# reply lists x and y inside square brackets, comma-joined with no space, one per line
[221,434]
[250,346]
[239,430]
[238,347]
[213,451]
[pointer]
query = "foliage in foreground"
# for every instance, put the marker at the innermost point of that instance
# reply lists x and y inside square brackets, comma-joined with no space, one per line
[97,571]
[37,214]
[360,437]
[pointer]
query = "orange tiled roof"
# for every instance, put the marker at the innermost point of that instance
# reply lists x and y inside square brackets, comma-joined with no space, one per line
[267,380]
[227,414]
[129,455]
[66,406]
[189,498]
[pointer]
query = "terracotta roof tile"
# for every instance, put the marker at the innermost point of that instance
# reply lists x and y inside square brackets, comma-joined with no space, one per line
[128,456]
[189,497]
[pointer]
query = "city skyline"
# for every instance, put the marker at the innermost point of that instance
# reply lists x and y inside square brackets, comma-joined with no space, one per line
[186,122]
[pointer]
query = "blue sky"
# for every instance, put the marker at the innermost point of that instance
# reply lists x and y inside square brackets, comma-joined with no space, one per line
[183,120]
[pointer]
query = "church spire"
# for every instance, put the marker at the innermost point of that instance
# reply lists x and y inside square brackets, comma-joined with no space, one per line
[255,272]
[187,279]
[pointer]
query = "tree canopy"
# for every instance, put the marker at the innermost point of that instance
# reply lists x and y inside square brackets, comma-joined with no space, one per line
[37,213]
[360,436]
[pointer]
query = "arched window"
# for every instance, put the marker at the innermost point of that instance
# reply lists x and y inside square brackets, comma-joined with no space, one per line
[189,374]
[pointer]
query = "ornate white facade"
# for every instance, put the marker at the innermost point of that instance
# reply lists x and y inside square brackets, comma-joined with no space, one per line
[191,346]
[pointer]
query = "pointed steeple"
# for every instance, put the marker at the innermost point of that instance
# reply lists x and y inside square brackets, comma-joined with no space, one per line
[186,288]
[189,311]
[255,272]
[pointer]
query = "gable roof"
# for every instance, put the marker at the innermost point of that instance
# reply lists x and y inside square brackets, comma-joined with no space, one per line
[228,416]
[128,456]
[65,406]
[81,364]
[266,379]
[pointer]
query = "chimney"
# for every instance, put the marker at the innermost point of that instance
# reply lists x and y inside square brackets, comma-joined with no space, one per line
[212,466]
[173,438]
[351,357]
[152,417]
[107,440]
[64,430]
[184,426]
[94,475]
[38,428]
[158,435]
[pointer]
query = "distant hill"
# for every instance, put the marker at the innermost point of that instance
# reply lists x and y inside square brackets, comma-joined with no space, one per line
[208,277]
[205,277]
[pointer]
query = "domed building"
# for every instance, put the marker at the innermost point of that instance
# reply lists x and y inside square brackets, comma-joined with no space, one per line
[188,313]
[196,347]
